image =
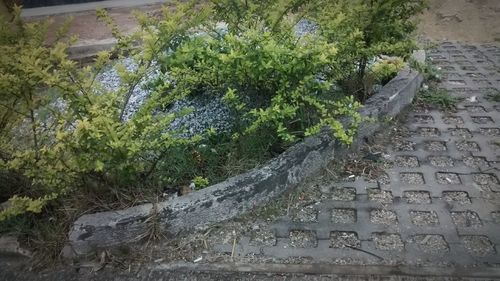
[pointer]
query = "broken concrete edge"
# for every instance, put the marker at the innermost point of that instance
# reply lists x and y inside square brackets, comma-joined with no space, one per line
[241,193]
[329,269]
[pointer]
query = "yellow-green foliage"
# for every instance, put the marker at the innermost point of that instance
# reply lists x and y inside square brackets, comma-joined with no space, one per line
[200,182]
[271,78]
[64,131]
[365,29]
[385,69]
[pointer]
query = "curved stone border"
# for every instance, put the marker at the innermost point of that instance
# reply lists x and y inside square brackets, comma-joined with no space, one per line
[244,192]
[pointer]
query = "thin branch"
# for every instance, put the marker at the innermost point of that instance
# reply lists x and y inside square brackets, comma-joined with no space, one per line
[13,110]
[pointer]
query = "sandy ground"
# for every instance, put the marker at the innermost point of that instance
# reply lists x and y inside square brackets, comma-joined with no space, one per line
[91,30]
[472,21]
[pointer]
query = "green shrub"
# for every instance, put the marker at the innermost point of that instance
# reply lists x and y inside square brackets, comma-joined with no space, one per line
[268,15]
[493,96]
[363,30]
[430,72]
[272,80]
[200,182]
[63,132]
[386,69]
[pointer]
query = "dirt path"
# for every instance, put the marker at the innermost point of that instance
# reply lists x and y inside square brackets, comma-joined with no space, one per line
[471,21]
[462,20]
[90,30]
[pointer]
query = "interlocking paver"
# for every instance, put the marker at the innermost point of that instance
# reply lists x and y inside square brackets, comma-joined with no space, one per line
[438,203]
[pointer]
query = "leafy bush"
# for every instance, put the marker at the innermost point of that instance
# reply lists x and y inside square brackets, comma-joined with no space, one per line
[384,70]
[63,134]
[363,30]
[272,82]
[268,15]
[430,72]
[62,131]
[493,96]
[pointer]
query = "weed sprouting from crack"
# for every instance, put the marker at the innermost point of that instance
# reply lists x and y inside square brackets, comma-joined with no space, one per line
[494,96]
[153,232]
[436,98]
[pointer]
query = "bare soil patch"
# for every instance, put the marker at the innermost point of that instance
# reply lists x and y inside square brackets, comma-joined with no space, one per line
[461,20]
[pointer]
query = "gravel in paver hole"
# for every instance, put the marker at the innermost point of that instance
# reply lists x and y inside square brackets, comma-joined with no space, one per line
[475,162]
[417,197]
[383,217]
[452,76]
[303,239]
[423,119]
[461,132]
[468,146]
[441,161]
[380,196]
[495,145]
[424,218]
[448,178]
[475,109]
[343,194]
[428,132]
[412,178]
[490,132]
[466,219]
[496,217]
[489,181]
[460,197]
[457,82]
[485,179]
[342,239]
[388,242]
[435,146]
[407,161]
[344,216]
[382,179]
[482,120]
[404,145]
[431,243]
[453,120]
[469,68]
[478,245]
[262,237]
[307,214]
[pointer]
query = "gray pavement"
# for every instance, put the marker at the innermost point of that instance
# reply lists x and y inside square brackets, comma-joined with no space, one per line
[14,270]
[439,203]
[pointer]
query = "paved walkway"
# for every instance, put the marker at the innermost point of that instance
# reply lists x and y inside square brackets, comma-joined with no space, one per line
[438,202]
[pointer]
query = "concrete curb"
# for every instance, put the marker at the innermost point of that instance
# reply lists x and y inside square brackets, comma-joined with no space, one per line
[89,6]
[241,193]
[328,269]
[87,51]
